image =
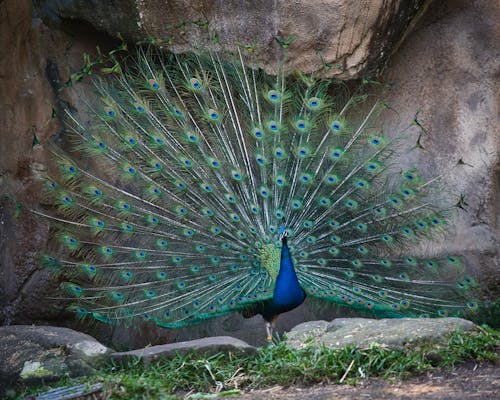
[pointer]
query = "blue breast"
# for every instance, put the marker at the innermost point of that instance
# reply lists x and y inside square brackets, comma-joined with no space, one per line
[287,293]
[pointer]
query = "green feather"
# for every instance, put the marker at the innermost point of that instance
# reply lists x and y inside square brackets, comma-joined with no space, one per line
[170,204]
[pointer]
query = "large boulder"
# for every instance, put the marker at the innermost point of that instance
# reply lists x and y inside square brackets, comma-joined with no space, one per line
[353,38]
[35,354]
[394,333]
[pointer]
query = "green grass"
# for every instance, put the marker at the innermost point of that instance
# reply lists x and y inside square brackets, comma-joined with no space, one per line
[279,365]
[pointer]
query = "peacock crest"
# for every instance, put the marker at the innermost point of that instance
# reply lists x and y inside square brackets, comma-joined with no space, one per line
[197,173]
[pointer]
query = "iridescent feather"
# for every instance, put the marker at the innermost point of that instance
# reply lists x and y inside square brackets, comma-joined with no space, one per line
[170,206]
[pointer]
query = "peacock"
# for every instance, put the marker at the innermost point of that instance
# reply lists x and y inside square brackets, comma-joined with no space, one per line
[202,186]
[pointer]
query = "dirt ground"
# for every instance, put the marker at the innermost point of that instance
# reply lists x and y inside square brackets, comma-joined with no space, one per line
[469,381]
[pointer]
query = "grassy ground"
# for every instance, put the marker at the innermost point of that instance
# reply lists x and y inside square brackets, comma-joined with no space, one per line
[279,365]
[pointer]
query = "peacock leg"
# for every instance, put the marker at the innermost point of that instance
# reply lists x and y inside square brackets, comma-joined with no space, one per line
[269,330]
[270,327]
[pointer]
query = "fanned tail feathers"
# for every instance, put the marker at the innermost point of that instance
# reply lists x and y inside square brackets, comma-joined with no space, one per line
[190,168]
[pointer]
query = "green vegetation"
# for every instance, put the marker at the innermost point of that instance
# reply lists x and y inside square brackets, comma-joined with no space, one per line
[279,365]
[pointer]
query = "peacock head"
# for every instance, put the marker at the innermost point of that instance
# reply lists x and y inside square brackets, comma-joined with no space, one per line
[283,232]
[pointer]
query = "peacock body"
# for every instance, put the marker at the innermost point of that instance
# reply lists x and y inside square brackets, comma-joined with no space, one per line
[208,187]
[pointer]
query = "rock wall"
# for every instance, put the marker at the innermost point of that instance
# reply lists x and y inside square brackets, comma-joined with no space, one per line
[447,68]
[24,121]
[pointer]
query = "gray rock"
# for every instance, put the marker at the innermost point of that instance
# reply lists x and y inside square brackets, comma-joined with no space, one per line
[210,345]
[307,332]
[32,354]
[364,332]
[353,38]
[448,70]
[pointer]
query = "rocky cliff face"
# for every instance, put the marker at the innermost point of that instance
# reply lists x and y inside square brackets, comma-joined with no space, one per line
[446,68]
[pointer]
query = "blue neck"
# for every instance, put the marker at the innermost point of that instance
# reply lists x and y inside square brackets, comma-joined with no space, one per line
[287,293]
